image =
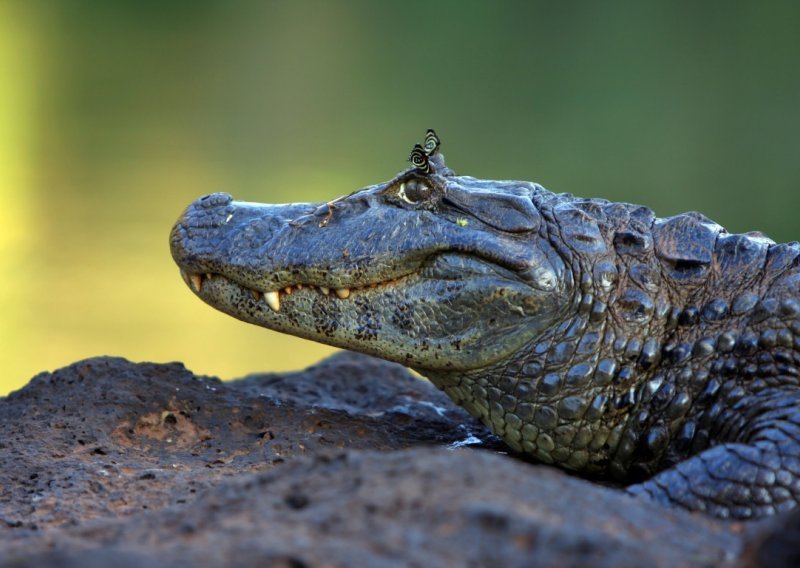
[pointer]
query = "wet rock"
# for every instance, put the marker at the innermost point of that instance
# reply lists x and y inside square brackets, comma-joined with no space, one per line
[351,462]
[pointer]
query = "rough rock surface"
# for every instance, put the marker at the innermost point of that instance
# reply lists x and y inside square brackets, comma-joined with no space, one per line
[351,462]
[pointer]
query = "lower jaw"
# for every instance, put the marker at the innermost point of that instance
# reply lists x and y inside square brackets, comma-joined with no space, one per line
[300,316]
[273,298]
[341,325]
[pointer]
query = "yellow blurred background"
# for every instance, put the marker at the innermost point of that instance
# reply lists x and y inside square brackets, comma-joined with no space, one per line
[114,115]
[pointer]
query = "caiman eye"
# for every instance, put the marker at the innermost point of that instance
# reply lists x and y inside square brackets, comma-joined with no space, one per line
[413,191]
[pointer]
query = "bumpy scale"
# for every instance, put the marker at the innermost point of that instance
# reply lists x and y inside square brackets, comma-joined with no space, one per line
[663,353]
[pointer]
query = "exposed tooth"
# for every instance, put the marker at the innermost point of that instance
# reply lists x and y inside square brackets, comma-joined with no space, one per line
[288,290]
[299,286]
[197,282]
[256,295]
[208,275]
[325,290]
[273,301]
[343,293]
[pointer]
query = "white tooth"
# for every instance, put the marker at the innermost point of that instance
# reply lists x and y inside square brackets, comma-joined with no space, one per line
[325,290]
[299,286]
[273,301]
[343,293]
[208,275]
[288,290]
[197,282]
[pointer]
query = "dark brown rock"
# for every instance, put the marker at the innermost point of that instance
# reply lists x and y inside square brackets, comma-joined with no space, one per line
[108,437]
[107,462]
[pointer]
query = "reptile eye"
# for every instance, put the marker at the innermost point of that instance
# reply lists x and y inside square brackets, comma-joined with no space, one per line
[413,191]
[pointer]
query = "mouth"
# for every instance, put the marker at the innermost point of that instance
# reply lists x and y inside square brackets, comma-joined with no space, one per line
[273,298]
[448,312]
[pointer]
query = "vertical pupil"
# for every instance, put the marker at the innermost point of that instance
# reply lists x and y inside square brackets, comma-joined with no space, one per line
[416,191]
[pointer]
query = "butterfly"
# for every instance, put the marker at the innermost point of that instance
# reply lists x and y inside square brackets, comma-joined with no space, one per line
[419,159]
[420,155]
[431,143]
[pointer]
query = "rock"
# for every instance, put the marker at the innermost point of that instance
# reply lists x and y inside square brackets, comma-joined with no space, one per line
[776,543]
[351,462]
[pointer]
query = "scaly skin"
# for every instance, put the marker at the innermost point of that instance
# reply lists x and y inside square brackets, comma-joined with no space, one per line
[592,335]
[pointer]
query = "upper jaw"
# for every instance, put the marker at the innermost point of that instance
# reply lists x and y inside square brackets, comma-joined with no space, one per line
[270,248]
[353,243]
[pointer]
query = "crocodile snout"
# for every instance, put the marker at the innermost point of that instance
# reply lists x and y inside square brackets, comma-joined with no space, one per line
[217,234]
[200,228]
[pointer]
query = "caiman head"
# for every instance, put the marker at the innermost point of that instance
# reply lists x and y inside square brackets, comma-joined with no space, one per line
[433,270]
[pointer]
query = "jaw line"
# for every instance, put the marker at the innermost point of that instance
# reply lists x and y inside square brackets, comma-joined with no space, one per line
[424,349]
[197,281]
[429,268]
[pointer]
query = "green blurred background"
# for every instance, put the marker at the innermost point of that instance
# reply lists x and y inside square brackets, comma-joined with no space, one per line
[114,115]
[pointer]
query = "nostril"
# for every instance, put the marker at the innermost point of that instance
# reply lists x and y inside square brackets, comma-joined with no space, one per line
[209,212]
[215,200]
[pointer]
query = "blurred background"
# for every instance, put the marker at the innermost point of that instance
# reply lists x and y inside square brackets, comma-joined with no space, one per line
[114,115]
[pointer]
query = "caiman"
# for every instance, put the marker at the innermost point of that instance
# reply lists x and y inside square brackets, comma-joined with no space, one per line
[592,335]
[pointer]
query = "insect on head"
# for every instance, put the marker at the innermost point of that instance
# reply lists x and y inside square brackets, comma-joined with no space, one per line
[431,142]
[420,155]
[419,159]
